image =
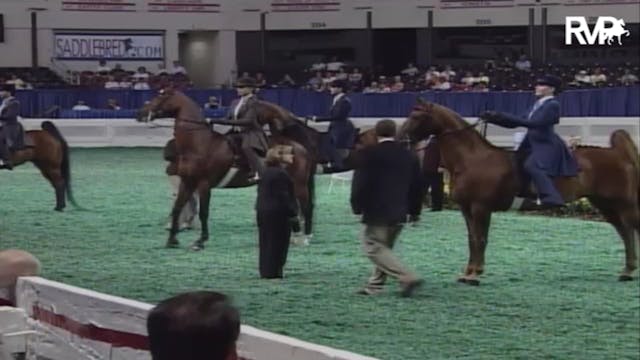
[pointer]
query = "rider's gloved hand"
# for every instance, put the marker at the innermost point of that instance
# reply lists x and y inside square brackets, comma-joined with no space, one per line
[489,115]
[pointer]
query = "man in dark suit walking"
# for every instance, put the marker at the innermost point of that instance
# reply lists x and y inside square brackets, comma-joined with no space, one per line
[433,177]
[276,206]
[341,131]
[243,117]
[10,129]
[386,187]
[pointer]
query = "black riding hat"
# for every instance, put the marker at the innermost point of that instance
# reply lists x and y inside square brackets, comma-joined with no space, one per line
[339,83]
[247,82]
[550,80]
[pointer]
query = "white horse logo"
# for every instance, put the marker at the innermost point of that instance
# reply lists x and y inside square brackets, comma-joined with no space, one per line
[617,30]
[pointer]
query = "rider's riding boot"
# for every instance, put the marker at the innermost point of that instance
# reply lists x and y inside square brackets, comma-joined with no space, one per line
[254,162]
[6,164]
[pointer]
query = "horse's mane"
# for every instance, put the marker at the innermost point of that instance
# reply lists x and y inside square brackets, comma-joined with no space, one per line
[454,115]
[293,127]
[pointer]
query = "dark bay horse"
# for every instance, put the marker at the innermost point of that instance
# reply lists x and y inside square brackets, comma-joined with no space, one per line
[49,152]
[484,179]
[205,159]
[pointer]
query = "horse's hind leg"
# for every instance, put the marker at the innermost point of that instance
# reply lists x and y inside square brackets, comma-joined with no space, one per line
[184,194]
[204,190]
[57,181]
[626,222]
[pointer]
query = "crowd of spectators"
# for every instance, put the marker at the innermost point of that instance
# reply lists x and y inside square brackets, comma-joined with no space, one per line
[491,76]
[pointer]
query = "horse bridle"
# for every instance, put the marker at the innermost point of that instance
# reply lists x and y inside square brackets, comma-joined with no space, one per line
[407,140]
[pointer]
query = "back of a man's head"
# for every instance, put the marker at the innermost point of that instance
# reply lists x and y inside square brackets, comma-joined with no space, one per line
[386,128]
[199,325]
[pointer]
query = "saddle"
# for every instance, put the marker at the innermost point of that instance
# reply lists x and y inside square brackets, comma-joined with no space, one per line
[16,137]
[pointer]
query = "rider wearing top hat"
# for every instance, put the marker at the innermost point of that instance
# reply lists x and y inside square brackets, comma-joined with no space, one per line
[545,152]
[243,117]
[341,130]
[9,126]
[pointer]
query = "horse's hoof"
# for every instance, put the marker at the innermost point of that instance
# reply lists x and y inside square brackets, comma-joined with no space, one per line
[172,244]
[197,247]
[472,282]
[625,278]
[58,209]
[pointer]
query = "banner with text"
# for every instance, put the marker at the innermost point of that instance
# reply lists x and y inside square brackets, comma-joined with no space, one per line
[131,47]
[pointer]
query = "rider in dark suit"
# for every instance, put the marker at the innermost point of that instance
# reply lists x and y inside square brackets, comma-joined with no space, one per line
[547,156]
[243,117]
[341,130]
[9,127]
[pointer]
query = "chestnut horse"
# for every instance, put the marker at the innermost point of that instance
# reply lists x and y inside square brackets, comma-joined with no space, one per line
[484,179]
[49,152]
[205,159]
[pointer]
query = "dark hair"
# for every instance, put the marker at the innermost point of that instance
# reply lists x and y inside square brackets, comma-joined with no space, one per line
[386,128]
[200,325]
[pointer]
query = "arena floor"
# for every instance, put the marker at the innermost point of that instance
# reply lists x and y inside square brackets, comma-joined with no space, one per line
[550,291]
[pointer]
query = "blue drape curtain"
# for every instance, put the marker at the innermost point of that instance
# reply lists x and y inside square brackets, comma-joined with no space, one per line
[619,101]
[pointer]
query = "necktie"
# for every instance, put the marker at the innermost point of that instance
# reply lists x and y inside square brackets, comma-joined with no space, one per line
[535,107]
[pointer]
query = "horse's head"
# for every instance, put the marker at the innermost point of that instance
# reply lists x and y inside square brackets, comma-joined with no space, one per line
[421,122]
[165,103]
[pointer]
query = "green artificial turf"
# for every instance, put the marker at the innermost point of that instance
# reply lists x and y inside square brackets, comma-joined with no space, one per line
[549,291]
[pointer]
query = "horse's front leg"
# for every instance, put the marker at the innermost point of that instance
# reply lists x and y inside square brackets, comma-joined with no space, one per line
[468,277]
[184,194]
[204,190]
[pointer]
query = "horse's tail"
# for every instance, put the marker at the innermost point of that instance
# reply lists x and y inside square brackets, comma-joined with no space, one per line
[65,167]
[621,142]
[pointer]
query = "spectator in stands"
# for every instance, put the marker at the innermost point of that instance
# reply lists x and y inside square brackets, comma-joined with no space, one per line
[373,88]
[80,106]
[213,103]
[118,70]
[261,81]
[335,65]
[125,83]
[162,70]
[111,83]
[386,188]
[628,78]
[140,84]
[598,78]
[318,67]
[482,78]
[342,75]
[355,77]
[582,78]
[411,70]
[316,82]
[276,212]
[15,263]
[523,64]
[441,83]
[178,68]
[468,79]
[201,325]
[430,76]
[287,81]
[141,73]
[383,85]
[103,68]
[448,73]
[112,104]
[398,85]
[17,82]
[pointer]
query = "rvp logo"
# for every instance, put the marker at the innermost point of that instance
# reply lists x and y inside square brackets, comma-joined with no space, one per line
[607,28]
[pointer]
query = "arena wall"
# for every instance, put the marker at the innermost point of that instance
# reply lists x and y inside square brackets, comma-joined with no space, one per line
[75,323]
[129,133]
